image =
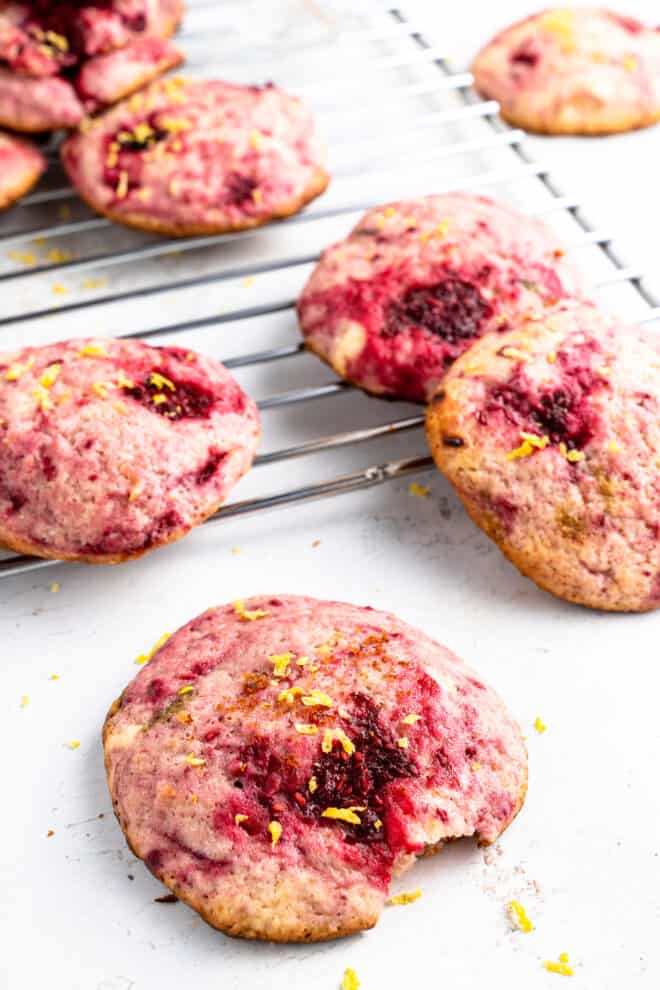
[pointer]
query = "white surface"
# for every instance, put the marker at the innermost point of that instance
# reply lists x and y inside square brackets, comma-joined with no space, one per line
[584,855]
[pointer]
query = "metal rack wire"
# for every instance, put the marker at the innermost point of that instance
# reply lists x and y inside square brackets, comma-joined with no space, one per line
[416,52]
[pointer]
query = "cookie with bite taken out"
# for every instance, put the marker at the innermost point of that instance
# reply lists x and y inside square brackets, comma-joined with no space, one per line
[280,759]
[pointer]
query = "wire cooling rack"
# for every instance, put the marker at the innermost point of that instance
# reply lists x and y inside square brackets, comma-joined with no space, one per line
[401,121]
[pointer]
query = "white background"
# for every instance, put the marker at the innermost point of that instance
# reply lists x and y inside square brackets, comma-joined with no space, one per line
[584,855]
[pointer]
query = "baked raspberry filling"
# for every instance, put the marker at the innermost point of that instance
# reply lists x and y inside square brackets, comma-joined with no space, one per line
[453,309]
[562,413]
[175,400]
[526,54]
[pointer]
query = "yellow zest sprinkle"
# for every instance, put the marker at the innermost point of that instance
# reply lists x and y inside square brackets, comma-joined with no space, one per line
[22,257]
[186,689]
[94,283]
[312,784]
[74,744]
[195,761]
[302,661]
[562,967]
[144,194]
[325,650]
[346,743]
[245,615]
[514,354]
[185,718]
[613,447]
[123,381]
[119,407]
[93,350]
[59,289]
[14,371]
[248,281]
[280,662]
[146,657]
[240,818]
[275,830]
[519,916]
[630,63]
[54,677]
[289,694]
[551,357]
[344,814]
[411,719]
[257,197]
[256,140]
[58,256]
[350,980]
[420,490]
[49,376]
[159,398]
[175,124]
[317,699]
[57,40]
[539,724]
[42,400]
[161,382]
[25,701]
[402,743]
[328,739]
[101,389]
[122,186]
[574,456]
[54,587]
[530,443]
[378,824]
[306,730]
[406,898]
[235,549]
[389,213]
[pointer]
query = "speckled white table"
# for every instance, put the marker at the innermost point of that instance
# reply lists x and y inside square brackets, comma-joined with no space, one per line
[77,910]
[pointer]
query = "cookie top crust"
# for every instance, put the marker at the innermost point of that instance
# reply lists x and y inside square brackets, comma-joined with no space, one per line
[279,759]
[21,165]
[418,281]
[198,156]
[59,61]
[550,434]
[573,71]
[110,448]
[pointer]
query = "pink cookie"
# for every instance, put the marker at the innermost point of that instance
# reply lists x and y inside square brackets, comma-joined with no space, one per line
[111,448]
[198,158]
[415,283]
[21,165]
[550,435]
[49,51]
[573,71]
[280,759]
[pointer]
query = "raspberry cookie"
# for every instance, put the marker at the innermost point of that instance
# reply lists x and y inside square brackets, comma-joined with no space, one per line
[415,283]
[550,435]
[573,71]
[21,165]
[200,157]
[280,759]
[59,61]
[112,448]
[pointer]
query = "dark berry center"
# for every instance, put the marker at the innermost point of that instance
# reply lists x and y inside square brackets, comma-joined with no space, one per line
[454,310]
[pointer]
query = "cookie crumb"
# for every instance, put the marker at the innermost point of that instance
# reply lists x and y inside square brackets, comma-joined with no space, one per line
[50,833]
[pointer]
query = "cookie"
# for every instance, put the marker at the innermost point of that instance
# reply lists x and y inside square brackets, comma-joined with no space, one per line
[198,157]
[107,79]
[573,71]
[21,165]
[280,759]
[416,282]
[550,435]
[58,61]
[111,448]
